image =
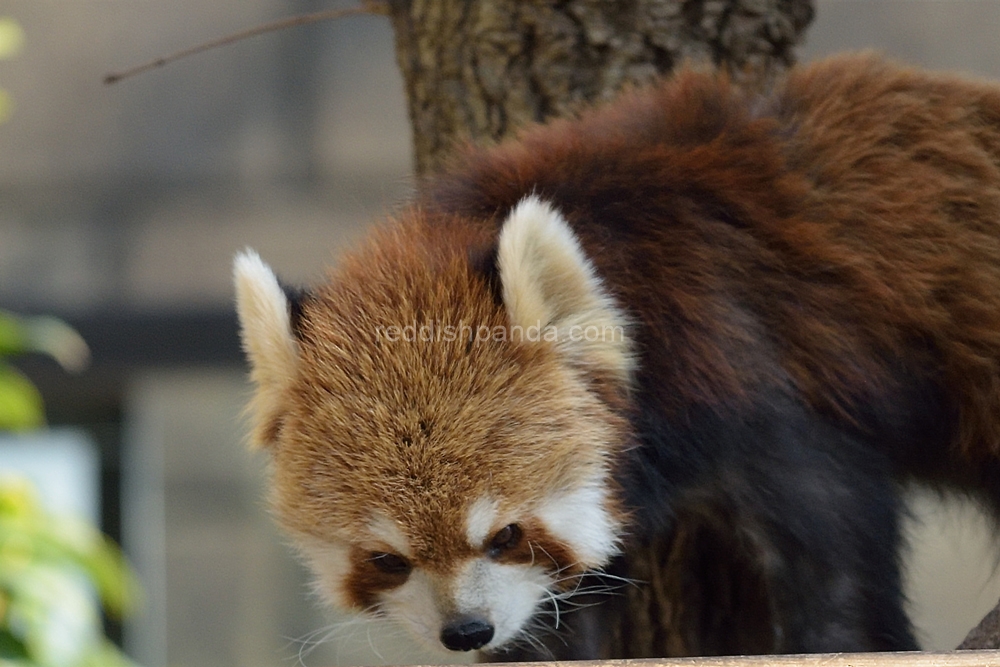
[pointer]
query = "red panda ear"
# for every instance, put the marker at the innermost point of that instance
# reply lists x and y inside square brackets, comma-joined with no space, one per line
[266,331]
[549,283]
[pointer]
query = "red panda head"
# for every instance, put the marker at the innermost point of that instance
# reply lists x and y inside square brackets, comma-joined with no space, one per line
[442,447]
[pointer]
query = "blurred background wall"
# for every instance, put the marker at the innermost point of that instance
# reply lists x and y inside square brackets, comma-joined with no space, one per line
[121,208]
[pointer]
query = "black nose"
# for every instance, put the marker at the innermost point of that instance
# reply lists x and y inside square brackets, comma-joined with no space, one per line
[465,634]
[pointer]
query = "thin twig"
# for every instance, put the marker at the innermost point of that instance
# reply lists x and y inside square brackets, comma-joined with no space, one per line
[367,7]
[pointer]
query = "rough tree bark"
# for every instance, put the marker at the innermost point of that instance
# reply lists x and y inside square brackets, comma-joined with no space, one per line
[476,70]
[986,634]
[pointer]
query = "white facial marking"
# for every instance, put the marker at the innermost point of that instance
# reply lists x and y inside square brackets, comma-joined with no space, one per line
[384,529]
[331,564]
[481,520]
[415,606]
[580,518]
[506,595]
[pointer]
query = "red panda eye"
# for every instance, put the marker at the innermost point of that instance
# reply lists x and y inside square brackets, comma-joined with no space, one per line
[389,563]
[506,538]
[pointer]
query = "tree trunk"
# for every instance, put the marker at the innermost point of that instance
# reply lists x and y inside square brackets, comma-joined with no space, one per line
[476,70]
[986,635]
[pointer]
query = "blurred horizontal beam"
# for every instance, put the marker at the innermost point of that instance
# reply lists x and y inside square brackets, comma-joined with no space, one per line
[135,338]
[125,342]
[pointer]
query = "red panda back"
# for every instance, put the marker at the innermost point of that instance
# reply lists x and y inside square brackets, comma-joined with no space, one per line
[852,215]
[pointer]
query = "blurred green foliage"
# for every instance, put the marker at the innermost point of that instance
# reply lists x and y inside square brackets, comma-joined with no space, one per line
[55,572]
[11,43]
[20,403]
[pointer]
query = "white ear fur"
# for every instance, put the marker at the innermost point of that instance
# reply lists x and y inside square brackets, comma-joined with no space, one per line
[266,330]
[549,283]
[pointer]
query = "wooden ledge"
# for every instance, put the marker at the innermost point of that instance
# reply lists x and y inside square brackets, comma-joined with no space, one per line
[910,659]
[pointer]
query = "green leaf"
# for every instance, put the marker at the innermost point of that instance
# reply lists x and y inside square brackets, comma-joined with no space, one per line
[13,334]
[11,648]
[106,655]
[47,335]
[51,567]
[20,403]
[73,544]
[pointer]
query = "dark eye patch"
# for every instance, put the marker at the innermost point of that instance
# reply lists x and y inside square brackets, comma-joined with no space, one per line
[389,563]
[530,543]
[374,572]
[505,539]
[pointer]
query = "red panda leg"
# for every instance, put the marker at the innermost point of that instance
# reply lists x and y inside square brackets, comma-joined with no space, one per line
[808,509]
[789,537]
[818,512]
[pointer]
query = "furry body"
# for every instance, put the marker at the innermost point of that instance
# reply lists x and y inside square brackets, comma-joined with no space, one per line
[797,300]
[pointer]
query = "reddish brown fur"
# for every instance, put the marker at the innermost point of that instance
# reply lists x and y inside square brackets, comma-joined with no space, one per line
[420,458]
[856,210]
[834,243]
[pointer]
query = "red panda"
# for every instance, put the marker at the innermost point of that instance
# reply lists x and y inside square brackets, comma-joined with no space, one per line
[758,311]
